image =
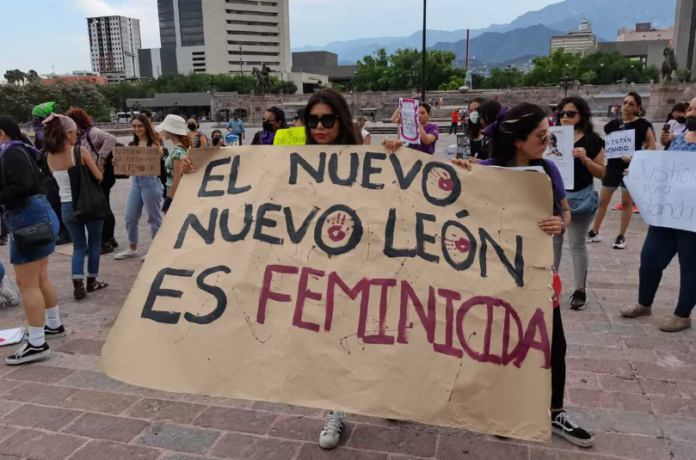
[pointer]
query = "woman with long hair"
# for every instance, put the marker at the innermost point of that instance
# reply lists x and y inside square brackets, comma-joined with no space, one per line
[22,194]
[273,120]
[588,154]
[60,139]
[145,191]
[473,127]
[173,128]
[429,132]
[630,120]
[520,139]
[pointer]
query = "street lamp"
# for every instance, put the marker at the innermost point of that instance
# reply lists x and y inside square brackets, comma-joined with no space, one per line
[241,67]
[566,80]
[425,12]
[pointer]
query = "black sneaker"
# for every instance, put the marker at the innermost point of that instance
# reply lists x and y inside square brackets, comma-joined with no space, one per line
[28,353]
[578,301]
[564,427]
[3,240]
[50,333]
[593,237]
[107,248]
[620,242]
[114,243]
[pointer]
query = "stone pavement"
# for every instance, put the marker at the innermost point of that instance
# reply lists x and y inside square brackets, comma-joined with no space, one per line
[634,386]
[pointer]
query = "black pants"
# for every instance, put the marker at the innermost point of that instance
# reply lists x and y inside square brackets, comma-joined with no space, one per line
[558,364]
[4,232]
[110,222]
[453,128]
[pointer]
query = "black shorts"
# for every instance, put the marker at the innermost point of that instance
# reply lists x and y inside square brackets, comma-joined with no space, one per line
[613,179]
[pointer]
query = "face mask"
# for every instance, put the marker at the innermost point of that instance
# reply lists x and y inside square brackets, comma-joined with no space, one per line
[474,117]
[681,120]
[192,127]
[267,126]
[691,123]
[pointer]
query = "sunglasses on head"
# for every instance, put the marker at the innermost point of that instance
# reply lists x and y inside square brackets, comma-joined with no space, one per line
[327,121]
[567,113]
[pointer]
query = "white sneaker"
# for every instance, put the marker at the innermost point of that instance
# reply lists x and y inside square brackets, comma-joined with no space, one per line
[10,292]
[127,254]
[331,434]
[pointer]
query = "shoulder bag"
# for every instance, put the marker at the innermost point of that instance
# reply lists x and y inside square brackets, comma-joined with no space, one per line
[89,203]
[584,201]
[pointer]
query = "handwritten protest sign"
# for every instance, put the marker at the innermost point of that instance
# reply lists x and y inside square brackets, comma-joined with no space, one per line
[408,129]
[344,278]
[463,146]
[291,136]
[620,144]
[663,186]
[137,161]
[560,152]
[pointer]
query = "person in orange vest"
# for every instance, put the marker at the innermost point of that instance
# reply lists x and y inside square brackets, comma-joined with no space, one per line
[455,121]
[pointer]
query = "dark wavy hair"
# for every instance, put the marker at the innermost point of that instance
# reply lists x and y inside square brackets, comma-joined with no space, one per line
[474,129]
[585,123]
[515,126]
[347,134]
[639,101]
[280,116]
[489,111]
[11,128]
[152,136]
[80,117]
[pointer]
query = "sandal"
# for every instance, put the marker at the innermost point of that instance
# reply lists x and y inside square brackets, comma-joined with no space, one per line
[94,285]
[79,289]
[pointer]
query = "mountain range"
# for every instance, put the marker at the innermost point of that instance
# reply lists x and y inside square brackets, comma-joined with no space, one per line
[606,16]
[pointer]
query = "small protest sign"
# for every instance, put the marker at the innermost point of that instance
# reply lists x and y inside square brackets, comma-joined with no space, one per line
[560,152]
[620,144]
[408,129]
[137,161]
[340,277]
[463,146]
[663,186]
[290,136]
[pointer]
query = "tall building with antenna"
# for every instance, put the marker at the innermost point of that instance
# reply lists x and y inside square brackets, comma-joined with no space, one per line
[114,42]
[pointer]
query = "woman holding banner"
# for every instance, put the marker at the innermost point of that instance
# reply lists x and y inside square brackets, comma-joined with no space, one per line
[145,191]
[519,139]
[429,133]
[659,249]
[589,164]
[644,137]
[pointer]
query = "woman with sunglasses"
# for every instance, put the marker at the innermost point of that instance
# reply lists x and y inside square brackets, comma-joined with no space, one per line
[613,179]
[273,120]
[429,132]
[589,164]
[520,140]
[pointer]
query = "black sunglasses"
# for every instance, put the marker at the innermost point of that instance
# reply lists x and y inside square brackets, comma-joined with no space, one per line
[569,114]
[327,121]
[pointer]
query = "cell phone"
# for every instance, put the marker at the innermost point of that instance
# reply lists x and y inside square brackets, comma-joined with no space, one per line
[665,128]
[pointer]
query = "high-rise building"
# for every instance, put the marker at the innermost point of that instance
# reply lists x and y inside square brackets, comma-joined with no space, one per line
[114,42]
[583,41]
[685,34]
[220,36]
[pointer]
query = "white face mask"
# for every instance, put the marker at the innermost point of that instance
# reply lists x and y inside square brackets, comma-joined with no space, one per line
[474,117]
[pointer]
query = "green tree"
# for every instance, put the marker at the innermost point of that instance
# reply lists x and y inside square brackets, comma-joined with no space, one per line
[684,75]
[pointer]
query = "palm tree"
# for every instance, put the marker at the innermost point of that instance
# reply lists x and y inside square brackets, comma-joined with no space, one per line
[32,75]
[10,77]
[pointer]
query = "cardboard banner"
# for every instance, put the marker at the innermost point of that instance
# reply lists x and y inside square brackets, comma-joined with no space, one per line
[560,152]
[137,161]
[663,186]
[290,136]
[620,144]
[408,129]
[340,277]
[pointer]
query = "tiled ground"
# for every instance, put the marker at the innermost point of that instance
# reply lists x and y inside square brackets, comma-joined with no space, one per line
[631,384]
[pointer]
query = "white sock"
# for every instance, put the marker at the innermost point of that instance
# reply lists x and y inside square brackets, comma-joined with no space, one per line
[36,336]
[53,317]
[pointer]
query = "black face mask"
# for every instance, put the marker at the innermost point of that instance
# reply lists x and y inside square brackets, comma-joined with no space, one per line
[267,126]
[691,123]
[192,127]
[216,140]
[681,120]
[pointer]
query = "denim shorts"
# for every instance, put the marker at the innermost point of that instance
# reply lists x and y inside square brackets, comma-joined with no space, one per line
[36,210]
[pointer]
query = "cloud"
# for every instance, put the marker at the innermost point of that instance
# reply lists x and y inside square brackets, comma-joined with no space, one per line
[144,10]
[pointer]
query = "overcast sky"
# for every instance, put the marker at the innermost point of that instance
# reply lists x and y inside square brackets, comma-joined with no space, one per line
[40,34]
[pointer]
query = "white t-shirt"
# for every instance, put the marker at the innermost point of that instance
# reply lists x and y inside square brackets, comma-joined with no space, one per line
[364,134]
[677,128]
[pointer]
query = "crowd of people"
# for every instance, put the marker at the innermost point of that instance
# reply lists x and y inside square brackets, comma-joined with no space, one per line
[74,154]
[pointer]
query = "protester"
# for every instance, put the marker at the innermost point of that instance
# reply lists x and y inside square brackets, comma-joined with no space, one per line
[174,128]
[236,127]
[22,194]
[165,152]
[455,121]
[366,136]
[519,140]
[299,118]
[589,164]
[218,140]
[61,143]
[196,136]
[429,133]
[145,192]
[677,124]
[659,249]
[9,292]
[613,178]
[473,129]
[100,145]
[273,120]
[488,113]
